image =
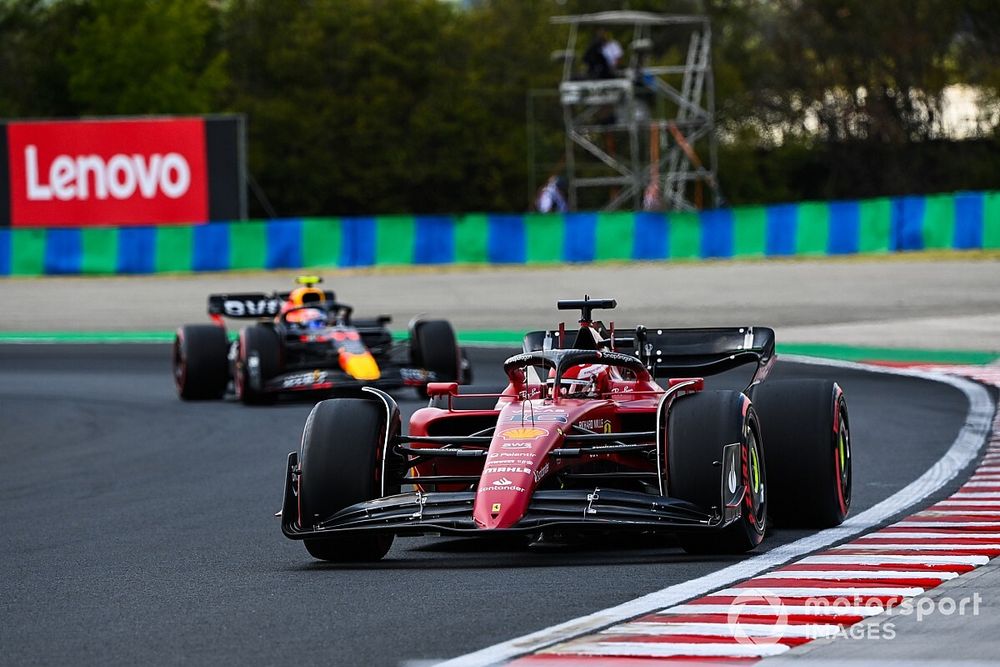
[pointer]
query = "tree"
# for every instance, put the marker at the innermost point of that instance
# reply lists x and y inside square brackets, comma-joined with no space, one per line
[147,57]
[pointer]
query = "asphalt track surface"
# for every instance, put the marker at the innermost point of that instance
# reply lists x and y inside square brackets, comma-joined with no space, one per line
[139,529]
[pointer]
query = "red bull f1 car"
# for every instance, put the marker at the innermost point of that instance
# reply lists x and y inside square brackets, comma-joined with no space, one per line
[304,342]
[599,430]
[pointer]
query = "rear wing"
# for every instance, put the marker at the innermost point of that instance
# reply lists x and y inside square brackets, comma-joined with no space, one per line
[251,304]
[675,352]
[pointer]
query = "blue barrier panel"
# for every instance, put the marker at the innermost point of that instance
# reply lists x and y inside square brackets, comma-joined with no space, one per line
[358,241]
[651,238]
[782,223]
[907,223]
[210,247]
[845,227]
[63,251]
[136,250]
[284,244]
[5,252]
[717,233]
[506,239]
[969,220]
[579,237]
[434,239]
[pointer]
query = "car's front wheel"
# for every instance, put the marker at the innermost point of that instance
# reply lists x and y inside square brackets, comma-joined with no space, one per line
[339,466]
[702,429]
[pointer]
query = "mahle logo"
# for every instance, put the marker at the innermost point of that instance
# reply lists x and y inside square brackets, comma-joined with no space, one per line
[67,178]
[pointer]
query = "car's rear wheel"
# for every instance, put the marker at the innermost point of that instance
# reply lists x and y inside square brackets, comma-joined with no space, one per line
[808,435]
[339,466]
[258,360]
[201,370]
[433,346]
[699,428]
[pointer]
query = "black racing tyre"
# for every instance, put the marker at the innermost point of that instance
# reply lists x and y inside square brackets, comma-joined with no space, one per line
[201,366]
[339,462]
[260,342]
[466,372]
[698,429]
[434,347]
[808,437]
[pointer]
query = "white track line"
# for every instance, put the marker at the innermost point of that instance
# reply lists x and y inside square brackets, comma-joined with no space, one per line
[668,650]
[774,610]
[840,575]
[916,546]
[890,559]
[953,512]
[962,452]
[944,524]
[777,630]
[831,591]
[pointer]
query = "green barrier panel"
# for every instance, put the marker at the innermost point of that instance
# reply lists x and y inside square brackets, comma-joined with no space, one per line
[100,250]
[543,238]
[812,228]
[173,248]
[939,222]
[874,233]
[749,231]
[615,236]
[27,252]
[321,241]
[472,234]
[394,236]
[248,245]
[991,220]
[684,234]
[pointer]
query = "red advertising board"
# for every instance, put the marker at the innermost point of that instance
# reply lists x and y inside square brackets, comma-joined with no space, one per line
[107,172]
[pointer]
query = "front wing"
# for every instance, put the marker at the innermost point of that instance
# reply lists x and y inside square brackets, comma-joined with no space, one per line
[451,513]
[332,379]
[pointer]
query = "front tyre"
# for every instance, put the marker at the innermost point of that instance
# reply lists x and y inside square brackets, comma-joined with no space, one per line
[808,437]
[258,360]
[200,363]
[339,464]
[699,428]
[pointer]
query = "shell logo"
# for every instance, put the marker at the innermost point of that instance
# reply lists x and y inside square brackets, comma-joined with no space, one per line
[523,433]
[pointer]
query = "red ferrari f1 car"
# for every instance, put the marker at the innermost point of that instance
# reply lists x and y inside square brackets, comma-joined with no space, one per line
[584,438]
[305,341]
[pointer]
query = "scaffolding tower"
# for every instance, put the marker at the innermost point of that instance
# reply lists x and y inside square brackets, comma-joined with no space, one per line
[634,133]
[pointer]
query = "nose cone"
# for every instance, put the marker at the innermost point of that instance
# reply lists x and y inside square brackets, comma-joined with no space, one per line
[360,366]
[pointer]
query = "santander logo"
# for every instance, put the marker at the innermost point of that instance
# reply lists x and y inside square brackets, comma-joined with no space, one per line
[120,177]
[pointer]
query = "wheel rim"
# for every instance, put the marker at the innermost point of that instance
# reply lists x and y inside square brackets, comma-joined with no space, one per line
[180,367]
[842,459]
[756,481]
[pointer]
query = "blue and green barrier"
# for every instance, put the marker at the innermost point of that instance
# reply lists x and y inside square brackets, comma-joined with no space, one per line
[959,221]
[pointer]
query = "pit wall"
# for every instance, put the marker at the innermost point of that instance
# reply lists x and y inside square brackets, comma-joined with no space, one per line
[959,221]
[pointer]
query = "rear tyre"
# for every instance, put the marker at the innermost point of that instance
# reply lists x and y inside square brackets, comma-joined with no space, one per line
[808,451]
[201,367]
[433,346]
[699,428]
[257,361]
[339,466]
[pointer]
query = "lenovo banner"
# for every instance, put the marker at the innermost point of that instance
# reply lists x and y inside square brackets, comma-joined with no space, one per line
[122,171]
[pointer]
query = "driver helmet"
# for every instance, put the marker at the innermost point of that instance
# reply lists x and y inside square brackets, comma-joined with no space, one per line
[582,380]
[310,318]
